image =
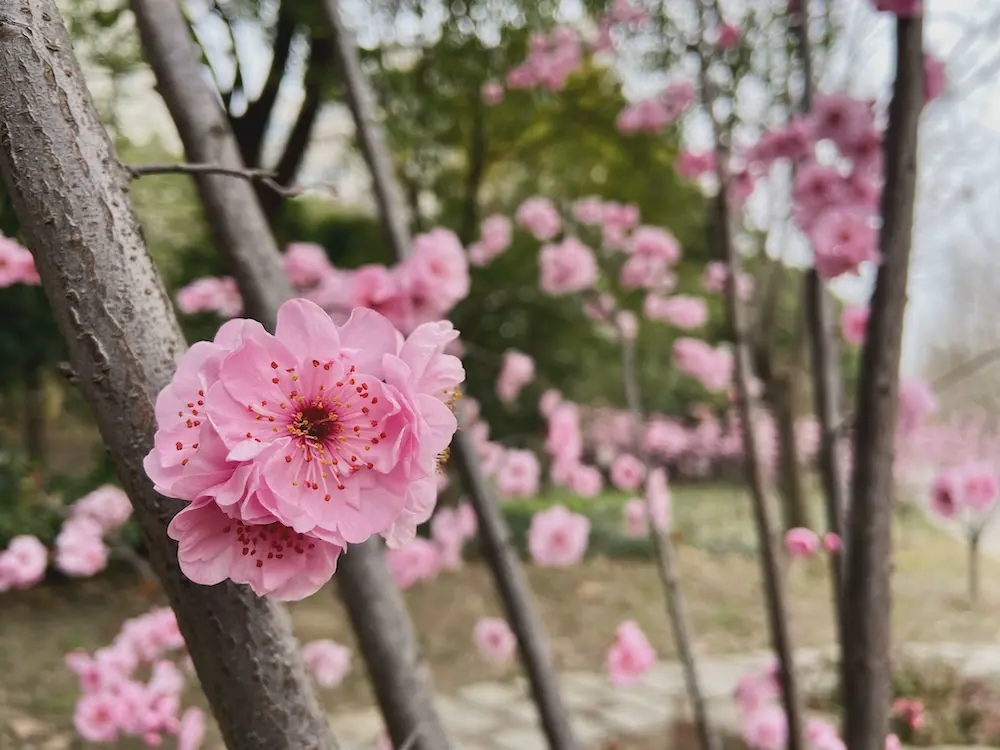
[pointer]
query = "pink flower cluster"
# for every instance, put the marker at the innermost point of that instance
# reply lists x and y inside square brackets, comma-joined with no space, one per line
[652,252]
[552,59]
[328,662]
[916,402]
[910,712]
[630,655]
[423,288]
[519,474]
[539,217]
[517,371]
[494,639]
[116,702]
[422,559]
[682,311]
[691,166]
[557,537]
[23,563]
[290,446]
[567,267]
[564,445]
[494,237]
[17,265]
[801,542]
[712,366]
[653,115]
[970,488]
[80,549]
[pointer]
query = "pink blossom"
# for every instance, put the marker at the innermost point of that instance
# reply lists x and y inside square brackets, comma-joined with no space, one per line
[109,506]
[634,512]
[713,367]
[766,728]
[539,217]
[418,561]
[558,537]
[550,399]
[793,141]
[729,36]
[191,731]
[681,311]
[589,210]
[552,58]
[823,736]
[935,78]
[832,542]
[435,275]
[517,371]
[650,116]
[585,481]
[946,497]
[916,402]
[909,711]
[646,272]
[494,639]
[599,308]
[495,238]
[210,294]
[306,264]
[627,324]
[753,692]
[980,487]
[627,472]
[843,239]
[854,324]
[519,474]
[741,186]
[79,548]
[665,437]
[630,655]
[450,527]
[564,439]
[622,11]
[692,165]
[97,717]
[892,743]
[327,661]
[714,280]
[801,542]
[17,265]
[567,267]
[841,119]
[902,8]
[491,93]
[655,242]
[23,563]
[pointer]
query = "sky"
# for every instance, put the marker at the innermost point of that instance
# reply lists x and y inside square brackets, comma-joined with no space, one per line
[955,268]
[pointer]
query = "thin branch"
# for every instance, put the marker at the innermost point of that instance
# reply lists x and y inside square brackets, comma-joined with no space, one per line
[265,177]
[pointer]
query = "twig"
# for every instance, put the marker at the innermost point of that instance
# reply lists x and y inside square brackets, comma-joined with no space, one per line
[265,177]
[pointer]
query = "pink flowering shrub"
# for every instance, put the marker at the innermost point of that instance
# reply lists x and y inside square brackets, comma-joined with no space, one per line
[290,446]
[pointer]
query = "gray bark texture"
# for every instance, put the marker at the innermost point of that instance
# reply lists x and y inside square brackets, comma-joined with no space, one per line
[71,196]
[510,580]
[375,605]
[868,562]
[774,594]
[238,225]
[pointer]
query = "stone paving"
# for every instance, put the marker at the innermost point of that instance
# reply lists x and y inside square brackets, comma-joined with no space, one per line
[501,716]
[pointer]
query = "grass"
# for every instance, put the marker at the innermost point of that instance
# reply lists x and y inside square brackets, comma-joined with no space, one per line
[580,607]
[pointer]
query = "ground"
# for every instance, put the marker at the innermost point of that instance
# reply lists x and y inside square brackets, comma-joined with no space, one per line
[580,607]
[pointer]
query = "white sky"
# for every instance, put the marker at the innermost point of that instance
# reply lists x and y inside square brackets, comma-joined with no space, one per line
[955,268]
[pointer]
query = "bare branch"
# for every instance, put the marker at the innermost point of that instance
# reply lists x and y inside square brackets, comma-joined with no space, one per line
[265,177]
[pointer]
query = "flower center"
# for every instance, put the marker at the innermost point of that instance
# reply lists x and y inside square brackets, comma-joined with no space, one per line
[314,422]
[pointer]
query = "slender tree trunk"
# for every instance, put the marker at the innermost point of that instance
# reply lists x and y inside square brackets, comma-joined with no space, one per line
[868,566]
[777,609]
[71,197]
[794,506]
[666,566]
[974,568]
[494,534]
[243,230]
[34,418]
[825,357]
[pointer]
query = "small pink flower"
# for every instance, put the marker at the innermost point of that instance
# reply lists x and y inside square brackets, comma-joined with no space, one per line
[935,78]
[210,294]
[327,661]
[832,542]
[627,324]
[630,656]
[636,524]
[681,311]
[766,728]
[854,324]
[729,36]
[17,265]
[946,493]
[627,472]
[519,474]
[801,542]
[23,563]
[306,264]
[843,239]
[692,165]
[558,537]
[916,402]
[191,732]
[420,560]
[622,11]
[585,481]
[589,210]
[98,716]
[109,506]
[80,549]
[491,93]
[549,401]
[539,217]
[567,267]
[980,487]
[494,639]
[517,371]
[892,743]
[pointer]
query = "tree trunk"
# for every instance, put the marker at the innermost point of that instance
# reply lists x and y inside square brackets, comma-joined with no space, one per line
[71,197]
[494,534]
[233,209]
[777,609]
[825,358]
[795,508]
[868,553]
[666,565]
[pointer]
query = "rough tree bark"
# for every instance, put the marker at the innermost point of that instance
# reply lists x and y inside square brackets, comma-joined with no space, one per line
[666,565]
[494,534]
[364,582]
[71,197]
[868,556]
[777,609]
[825,355]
